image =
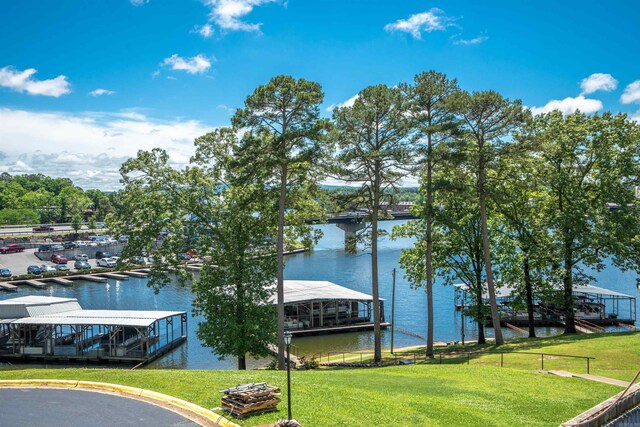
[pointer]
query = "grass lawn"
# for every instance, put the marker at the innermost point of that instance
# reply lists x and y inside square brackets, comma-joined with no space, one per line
[479,394]
[421,395]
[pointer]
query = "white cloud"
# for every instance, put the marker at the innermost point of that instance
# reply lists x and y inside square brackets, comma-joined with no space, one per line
[138,2]
[22,81]
[635,116]
[570,105]
[100,91]
[631,93]
[195,65]
[205,30]
[228,14]
[598,81]
[469,42]
[90,146]
[348,103]
[431,20]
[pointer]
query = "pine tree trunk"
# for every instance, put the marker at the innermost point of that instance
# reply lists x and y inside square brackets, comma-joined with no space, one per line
[280,259]
[529,295]
[374,270]
[495,316]
[567,280]
[429,254]
[480,315]
[242,363]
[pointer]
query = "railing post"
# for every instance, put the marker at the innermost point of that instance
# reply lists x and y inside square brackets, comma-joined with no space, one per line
[395,359]
[342,357]
[542,359]
[414,358]
[587,365]
[468,358]
[360,357]
[502,359]
[441,358]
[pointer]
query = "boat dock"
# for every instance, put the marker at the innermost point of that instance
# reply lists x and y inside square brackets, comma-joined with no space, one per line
[61,281]
[116,276]
[90,278]
[8,287]
[135,274]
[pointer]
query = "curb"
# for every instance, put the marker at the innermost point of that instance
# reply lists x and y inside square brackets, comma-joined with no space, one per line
[129,391]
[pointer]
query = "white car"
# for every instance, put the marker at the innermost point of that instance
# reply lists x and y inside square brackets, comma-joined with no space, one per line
[47,268]
[106,262]
[80,243]
[81,257]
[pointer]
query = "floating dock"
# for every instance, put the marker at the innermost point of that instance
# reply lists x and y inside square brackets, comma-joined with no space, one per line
[90,278]
[116,276]
[8,287]
[61,281]
[35,284]
[135,274]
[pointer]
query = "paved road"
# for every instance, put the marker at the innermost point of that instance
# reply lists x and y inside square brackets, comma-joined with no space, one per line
[25,407]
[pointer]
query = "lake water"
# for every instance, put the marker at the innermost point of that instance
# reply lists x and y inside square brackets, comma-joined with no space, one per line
[329,262]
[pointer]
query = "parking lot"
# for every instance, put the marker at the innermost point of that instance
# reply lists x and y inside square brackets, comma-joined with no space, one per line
[18,262]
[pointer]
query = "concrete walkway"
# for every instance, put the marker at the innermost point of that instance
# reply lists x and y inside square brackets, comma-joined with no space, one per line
[590,377]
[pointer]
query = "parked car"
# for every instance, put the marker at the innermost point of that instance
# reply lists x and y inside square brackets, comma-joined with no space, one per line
[106,262]
[81,257]
[62,267]
[80,243]
[11,248]
[41,228]
[184,257]
[81,265]
[5,272]
[44,248]
[34,269]
[100,225]
[70,245]
[123,239]
[47,268]
[57,247]
[136,260]
[102,254]
[59,259]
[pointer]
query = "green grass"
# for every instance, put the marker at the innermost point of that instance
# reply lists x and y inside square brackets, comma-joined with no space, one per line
[614,354]
[480,394]
[396,396]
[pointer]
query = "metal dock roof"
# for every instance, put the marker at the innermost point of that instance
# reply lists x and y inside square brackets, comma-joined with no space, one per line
[314,290]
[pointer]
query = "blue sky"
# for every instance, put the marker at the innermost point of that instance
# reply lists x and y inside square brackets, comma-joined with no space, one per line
[167,71]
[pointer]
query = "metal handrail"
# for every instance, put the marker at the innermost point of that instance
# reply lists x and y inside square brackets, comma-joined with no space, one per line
[468,355]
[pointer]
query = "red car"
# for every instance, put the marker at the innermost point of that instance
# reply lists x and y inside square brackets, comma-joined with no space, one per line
[11,248]
[43,228]
[59,259]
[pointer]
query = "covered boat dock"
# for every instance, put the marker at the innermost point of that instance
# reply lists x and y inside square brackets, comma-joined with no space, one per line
[319,307]
[58,329]
[592,304]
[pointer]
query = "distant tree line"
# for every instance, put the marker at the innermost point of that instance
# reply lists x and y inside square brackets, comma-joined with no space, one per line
[504,197]
[36,198]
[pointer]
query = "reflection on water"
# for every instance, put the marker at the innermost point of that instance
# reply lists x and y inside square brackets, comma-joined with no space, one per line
[327,262]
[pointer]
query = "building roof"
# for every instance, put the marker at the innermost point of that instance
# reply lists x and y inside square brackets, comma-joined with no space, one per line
[100,317]
[315,290]
[34,305]
[40,310]
[505,291]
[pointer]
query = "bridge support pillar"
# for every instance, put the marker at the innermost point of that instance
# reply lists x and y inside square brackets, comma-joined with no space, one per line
[350,230]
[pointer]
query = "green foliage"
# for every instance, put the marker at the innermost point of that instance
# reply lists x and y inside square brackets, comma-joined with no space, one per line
[373,149]
[76,223]
[215,208]
[282,149]
[588,164]
[10,216]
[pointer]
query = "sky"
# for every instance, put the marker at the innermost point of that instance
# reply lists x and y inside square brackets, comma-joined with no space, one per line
[85,84]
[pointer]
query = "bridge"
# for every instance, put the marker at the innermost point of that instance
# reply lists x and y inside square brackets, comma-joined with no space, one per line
[352,222]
